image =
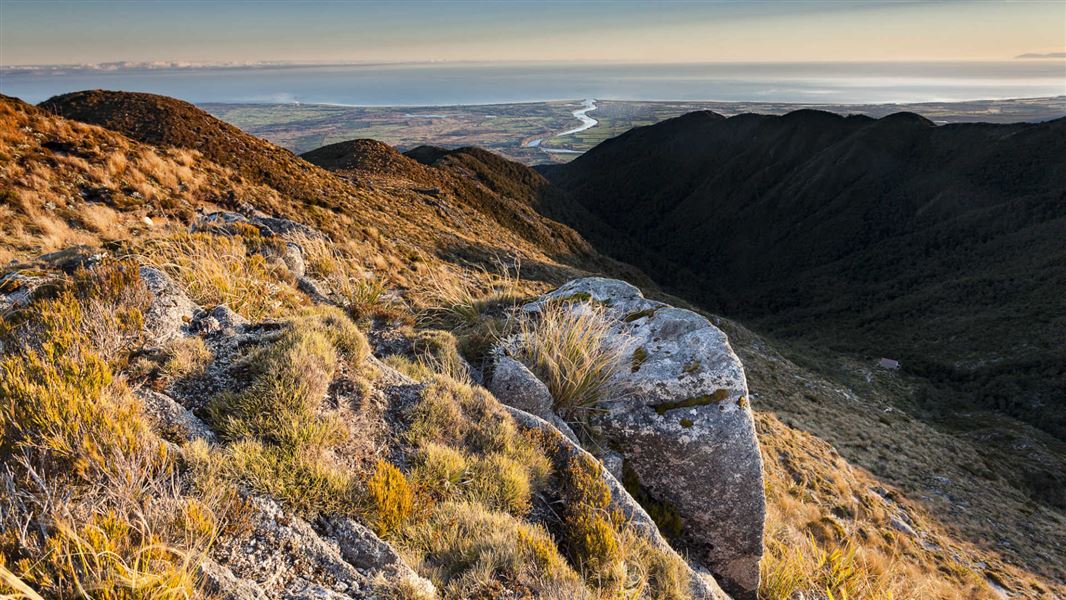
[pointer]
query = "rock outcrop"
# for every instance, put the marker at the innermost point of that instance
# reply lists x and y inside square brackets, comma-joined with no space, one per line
[683,427]
[702,585]
[282,555]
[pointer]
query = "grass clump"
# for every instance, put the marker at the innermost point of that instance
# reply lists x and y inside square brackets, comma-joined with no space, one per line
[469,551]
[281,439]
[185,357]
[226,269]
[570,350]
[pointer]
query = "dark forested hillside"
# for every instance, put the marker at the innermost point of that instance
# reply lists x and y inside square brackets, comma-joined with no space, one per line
[944,247]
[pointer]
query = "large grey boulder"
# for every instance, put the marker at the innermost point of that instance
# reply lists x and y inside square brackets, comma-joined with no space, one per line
[170,311]
[683,426]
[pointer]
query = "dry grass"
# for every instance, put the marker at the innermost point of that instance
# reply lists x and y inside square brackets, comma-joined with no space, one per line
[471,552]
[230,270]
[89,503]
[281,438]
[827,532]
[461,301]
[567,348]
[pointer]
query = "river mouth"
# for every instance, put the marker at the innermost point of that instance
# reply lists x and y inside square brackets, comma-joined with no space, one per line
[580,114]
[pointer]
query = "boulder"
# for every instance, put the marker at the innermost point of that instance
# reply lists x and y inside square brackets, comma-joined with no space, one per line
[514,385]
[170,311]
[701,585]
[175,422]
[683,426]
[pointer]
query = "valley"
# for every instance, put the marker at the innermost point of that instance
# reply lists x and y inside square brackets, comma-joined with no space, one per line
[511,129]
[878,483]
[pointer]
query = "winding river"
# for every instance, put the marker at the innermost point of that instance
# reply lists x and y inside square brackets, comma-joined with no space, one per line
[580,114]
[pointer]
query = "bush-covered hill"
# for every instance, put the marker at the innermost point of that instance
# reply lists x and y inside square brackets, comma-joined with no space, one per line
[941,247]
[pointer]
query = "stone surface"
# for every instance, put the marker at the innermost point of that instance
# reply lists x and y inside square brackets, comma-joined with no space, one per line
[362,548]
[171,310]
[684,426]
[174,422]
[285,557]
[514,385]
[702,586]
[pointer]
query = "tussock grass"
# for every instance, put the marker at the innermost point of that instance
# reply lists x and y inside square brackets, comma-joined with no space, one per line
[89,503]
[467,551]
[568,349]
[185,357]
[281,439]
[222,269]
[458,302]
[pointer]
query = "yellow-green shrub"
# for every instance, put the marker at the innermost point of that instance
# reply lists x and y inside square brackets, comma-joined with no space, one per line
[390,499]
[61,398]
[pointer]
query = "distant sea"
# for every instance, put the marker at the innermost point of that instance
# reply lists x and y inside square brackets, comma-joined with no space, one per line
[435,84]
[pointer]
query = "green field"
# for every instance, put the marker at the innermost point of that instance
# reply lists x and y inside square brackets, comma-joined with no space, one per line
[509,128]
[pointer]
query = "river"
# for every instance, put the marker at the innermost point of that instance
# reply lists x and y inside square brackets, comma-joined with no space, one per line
[580,114]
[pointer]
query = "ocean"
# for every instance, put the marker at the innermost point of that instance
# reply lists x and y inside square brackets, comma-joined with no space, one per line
[437,84]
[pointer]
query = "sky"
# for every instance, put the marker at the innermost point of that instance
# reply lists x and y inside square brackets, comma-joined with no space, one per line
[89,31]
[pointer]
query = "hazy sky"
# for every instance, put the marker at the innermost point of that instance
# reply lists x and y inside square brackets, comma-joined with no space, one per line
[41,32]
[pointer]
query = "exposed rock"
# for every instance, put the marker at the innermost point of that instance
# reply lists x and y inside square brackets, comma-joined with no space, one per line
[219,582]
[514,385]
[171,310]
[294,259]
[16,289]
[220,319]
[174,422]
[231,222]
[313,289]
[702,586]
[284,556]
[372,556]
[684,426]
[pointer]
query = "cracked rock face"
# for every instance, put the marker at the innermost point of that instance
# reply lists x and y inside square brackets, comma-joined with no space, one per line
[170,311]
[684,426]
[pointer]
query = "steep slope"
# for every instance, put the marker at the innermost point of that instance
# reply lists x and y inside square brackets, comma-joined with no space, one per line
[938,246]
[464,228]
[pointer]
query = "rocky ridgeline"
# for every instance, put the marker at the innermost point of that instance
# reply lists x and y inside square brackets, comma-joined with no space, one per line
[682,438]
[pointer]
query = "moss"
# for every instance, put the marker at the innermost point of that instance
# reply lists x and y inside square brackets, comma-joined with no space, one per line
[639,356]
[691,366]
[575,297]
[639,314]
[686,423]
[701,400]
[665,514]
